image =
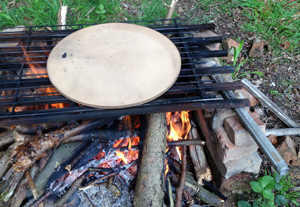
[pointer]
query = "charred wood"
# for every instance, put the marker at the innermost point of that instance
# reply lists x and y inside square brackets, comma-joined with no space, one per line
[60,202]
[34,129]
[149,190]
[102,135]
[202,169]
[98,180]
[179,190]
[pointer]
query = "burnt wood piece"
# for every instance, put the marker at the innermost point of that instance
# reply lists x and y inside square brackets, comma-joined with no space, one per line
[149,188]
[102,135]
[34,129]
[60,202]
[202,169]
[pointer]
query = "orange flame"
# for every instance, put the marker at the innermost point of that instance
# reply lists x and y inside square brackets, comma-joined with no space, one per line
[180,126]
[122,157]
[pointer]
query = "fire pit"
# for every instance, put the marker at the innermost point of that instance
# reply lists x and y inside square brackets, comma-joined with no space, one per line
[107,146]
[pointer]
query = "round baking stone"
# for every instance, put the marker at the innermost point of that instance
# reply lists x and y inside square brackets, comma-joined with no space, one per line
[114,65]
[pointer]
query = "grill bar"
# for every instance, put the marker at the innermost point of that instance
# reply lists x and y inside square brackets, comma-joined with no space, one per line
[27,95]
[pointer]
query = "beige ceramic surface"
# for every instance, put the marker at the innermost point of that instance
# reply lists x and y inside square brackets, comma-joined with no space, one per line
[114,65]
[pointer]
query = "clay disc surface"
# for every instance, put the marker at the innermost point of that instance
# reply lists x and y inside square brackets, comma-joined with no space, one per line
[114,65]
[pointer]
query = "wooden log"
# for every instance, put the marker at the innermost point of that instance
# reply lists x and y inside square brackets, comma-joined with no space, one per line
[149,188]
[8,192]
[186,142]
[6,138]
[4,160]
[23,187]
[34,129]
[179,190]
[202,169]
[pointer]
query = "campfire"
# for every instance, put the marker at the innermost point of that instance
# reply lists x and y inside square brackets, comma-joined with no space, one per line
[131,151]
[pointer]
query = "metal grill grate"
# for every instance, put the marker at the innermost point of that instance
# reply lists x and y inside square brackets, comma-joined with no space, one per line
[27,95]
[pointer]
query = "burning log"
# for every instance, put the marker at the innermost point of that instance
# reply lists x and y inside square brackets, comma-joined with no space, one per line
[149,190]
[202,170]
[60,202]
[179,190]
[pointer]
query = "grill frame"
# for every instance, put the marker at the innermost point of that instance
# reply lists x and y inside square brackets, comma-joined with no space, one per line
[188,93]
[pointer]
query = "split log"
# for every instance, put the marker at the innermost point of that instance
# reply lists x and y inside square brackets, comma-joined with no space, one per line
[202,169]
[149,188]
[8,192]
[23,187]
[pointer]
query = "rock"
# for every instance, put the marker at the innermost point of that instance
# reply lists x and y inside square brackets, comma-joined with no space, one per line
[228,44]
[287,150]
[227,151]
[239,182]
[250,163]
[238,134]
[273,139]
[208,33]
[253,101]
[257,49]
[220,116]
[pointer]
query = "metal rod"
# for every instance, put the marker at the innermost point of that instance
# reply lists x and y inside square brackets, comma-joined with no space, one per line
[283,132]
[257,134]
[270,104]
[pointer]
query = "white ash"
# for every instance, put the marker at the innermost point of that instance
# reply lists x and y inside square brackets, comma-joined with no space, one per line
[103,196]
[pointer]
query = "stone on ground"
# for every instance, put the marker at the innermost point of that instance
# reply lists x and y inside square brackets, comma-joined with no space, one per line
[228,44]
[257,49]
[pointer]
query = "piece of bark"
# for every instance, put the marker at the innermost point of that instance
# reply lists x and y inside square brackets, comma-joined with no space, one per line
[202,169]
[179,190]
[6,138]
[149,188]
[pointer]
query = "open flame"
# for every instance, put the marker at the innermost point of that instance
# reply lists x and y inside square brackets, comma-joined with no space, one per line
[180,127]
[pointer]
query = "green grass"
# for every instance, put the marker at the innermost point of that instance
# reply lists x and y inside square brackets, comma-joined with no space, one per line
[44,12]
[276,21]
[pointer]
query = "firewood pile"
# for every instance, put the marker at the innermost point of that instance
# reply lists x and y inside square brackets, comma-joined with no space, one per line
[157,169]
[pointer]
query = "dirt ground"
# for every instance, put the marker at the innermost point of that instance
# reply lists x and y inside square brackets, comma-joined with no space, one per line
[280,81]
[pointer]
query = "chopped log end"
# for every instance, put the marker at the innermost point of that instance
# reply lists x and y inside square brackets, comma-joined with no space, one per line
[206,176]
